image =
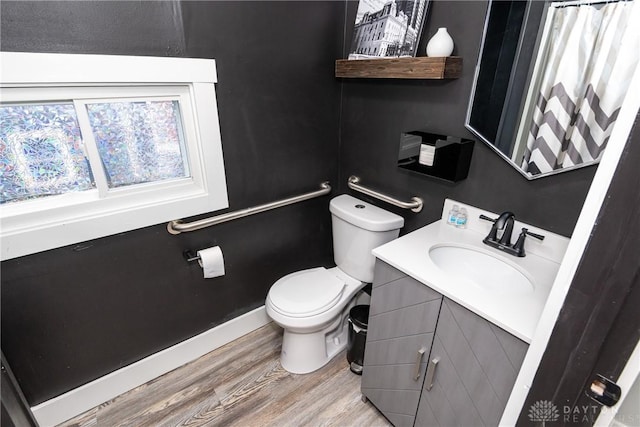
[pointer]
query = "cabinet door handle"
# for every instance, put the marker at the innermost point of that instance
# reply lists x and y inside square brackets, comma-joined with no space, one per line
[431,371]
[416,372]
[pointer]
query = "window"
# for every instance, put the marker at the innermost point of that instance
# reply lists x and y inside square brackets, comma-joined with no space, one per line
[41,152]
[137,142]
[146,145]
[94,145]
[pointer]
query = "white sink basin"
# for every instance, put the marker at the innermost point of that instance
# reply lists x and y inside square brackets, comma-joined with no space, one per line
[482,268]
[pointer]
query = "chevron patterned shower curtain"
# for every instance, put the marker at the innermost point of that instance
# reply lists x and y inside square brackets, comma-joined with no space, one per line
[593,52]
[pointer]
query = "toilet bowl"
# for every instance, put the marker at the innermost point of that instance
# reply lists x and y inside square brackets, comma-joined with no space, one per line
[313,316]
[312,305]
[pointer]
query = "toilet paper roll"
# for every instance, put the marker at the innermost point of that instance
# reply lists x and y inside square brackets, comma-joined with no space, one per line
[212,262]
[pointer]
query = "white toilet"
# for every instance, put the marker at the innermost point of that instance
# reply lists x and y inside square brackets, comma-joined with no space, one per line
[313,305]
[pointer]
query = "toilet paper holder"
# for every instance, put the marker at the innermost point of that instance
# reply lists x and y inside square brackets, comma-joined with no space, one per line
[190,255]
[211,260]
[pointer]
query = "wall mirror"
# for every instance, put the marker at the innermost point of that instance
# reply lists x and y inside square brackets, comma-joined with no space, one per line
[538,97]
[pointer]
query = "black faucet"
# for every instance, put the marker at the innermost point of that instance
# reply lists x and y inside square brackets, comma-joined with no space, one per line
[504,223]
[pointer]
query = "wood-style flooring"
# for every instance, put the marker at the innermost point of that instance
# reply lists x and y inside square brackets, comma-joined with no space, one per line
[241,384]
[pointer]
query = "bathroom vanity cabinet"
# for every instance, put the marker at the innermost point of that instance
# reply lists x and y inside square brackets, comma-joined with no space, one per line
[402,322]
[414,332]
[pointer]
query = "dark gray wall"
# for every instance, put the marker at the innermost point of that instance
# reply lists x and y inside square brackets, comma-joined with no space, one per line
[375,112]
[73,314]
[117,28]
[76,313]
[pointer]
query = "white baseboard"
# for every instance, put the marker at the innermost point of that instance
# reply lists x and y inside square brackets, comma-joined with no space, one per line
[85,397]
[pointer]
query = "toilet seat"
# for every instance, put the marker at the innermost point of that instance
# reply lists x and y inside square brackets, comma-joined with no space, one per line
[306,293]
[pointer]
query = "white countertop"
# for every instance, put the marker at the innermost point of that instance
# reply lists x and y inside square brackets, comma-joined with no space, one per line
[516,312]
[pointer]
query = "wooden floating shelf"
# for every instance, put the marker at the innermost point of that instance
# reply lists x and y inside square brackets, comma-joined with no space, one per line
[423,67]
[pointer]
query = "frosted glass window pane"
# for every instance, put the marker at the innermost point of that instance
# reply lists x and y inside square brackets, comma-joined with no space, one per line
[139,141]
[41,152]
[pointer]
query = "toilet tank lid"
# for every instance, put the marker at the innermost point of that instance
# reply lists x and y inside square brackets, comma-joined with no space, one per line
[364,215]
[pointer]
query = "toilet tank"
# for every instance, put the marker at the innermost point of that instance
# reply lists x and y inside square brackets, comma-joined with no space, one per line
[358,228]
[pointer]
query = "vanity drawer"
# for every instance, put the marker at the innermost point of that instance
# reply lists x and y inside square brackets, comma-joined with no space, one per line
[398,294]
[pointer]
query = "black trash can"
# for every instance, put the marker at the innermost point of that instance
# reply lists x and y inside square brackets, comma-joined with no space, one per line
[358,320]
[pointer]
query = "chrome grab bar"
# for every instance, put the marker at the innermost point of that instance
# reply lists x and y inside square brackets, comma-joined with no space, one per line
[415,204]
[177,226]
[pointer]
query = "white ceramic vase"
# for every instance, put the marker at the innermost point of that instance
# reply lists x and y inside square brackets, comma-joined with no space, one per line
[441,44]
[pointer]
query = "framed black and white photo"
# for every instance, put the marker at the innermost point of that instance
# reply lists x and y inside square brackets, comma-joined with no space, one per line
[387,28]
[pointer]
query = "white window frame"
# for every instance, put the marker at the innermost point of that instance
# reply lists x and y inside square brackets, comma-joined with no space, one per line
[46,223]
